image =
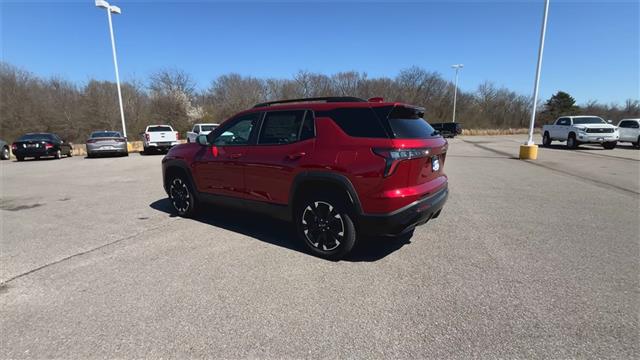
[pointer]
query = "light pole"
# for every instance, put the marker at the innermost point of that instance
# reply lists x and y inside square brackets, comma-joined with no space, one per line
[530,150]
[455,89]
[116,10]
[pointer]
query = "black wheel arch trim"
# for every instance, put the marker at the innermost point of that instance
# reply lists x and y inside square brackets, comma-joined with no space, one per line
[182,165]
[330,177]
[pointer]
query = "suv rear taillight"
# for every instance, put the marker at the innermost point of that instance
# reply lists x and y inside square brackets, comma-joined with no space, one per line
[14,147]
[48,145]
[91,141]
[394,156]
[146,136]
[177,135]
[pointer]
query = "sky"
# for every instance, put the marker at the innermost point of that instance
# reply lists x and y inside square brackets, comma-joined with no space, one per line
[592,48]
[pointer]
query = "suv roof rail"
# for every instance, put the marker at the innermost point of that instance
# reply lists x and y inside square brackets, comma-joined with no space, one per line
[325,99]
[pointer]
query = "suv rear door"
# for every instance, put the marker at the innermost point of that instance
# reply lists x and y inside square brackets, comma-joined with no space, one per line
[285,141]
[219,170]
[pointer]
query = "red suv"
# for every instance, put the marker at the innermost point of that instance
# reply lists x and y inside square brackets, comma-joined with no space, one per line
[340,168]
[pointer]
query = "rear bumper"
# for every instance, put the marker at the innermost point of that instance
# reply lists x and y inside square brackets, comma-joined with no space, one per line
[162,145]
[406,218]
[104,149]
[34,152]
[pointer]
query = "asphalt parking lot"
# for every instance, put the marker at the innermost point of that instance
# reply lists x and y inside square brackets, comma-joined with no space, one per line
[528,259]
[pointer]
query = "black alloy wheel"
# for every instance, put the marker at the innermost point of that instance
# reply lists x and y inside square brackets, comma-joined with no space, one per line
[181,197]
[326,228]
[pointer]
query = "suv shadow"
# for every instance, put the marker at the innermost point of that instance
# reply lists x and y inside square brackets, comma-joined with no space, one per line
[280,233]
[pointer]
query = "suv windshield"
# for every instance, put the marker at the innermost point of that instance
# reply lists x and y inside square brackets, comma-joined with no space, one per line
[588,120]
[103,134]
[159,128]
[36,137]
[207,127]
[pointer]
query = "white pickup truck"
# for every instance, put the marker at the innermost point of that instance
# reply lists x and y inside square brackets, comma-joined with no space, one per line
[630,131]
[576,130]
[199,129]
[159,137]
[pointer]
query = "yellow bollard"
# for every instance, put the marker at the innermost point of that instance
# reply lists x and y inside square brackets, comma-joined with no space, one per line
[528,152]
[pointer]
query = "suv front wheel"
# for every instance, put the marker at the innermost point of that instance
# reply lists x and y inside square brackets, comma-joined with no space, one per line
[325,226]
[181,196]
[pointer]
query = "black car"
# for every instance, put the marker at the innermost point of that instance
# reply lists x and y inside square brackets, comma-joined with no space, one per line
[37,145]
[448,130]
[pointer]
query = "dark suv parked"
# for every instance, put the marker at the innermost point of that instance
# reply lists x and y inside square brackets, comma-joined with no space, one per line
[338,167]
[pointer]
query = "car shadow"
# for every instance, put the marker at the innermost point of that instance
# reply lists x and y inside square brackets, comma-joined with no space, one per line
[280,233]
[580,147]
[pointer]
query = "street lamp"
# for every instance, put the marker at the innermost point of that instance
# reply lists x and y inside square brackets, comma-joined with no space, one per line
[455,89]
[116,10]
[530,150]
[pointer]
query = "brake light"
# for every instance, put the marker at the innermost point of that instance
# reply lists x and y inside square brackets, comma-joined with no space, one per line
[14,147]
[48,146]
[177,135]
[394,156]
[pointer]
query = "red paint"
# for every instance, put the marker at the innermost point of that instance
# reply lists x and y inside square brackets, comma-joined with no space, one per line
[266,172]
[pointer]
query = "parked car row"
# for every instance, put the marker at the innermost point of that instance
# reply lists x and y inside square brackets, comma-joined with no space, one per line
[578,130]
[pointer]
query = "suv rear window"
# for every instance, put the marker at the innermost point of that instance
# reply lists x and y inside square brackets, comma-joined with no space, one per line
[357,122]
[159,128]
[102,134]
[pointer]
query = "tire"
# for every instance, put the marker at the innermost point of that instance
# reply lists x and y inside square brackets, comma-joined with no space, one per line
[572,143]
[609,145]
[19,158]
[637,143]
[546,139]
[5,154]
[324,223]
[70,153]
[181,195]
[58,154]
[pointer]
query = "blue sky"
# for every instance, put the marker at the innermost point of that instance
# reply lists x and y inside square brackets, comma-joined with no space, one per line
[592,49]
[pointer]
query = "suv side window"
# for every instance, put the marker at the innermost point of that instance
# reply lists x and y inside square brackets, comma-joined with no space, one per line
[196,129]
[629,124]
[358,122]
[308,130]
[238,132]
[284,127]
[564,121]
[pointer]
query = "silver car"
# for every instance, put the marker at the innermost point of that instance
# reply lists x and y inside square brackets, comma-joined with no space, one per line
[4,150]
[106,143]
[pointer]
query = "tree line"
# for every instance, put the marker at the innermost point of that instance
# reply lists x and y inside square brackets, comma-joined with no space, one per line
[29,103]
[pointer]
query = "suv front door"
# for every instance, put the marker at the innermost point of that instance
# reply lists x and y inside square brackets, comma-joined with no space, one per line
[285,143]
[219,170]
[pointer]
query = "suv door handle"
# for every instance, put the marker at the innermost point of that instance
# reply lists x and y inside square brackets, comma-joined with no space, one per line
[296,156]
[235,156]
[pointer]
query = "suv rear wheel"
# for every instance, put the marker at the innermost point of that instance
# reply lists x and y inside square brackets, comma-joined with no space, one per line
[181,196]
[325,226]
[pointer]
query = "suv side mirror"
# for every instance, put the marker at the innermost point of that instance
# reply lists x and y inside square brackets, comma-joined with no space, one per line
[202,140]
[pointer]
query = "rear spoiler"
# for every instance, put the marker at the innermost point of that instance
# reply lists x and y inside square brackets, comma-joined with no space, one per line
[400,111]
